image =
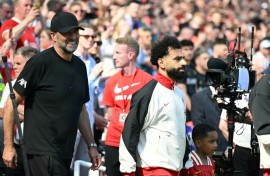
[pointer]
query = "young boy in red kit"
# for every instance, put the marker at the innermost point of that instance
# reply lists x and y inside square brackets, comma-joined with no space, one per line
[200,162]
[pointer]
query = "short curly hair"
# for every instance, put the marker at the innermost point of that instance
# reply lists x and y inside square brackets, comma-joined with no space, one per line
[201,131]
[161,48]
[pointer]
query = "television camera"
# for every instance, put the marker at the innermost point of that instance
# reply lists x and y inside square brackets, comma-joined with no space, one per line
[231,79]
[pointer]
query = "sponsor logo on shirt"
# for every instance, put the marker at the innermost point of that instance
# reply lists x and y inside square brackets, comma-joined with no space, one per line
[197,172]
[22,82]
[165,104]
[118,90]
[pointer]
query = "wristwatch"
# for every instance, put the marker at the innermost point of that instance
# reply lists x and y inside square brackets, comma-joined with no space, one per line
[92,145]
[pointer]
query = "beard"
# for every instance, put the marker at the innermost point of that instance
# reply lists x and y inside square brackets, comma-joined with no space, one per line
[68,47]
[176,74]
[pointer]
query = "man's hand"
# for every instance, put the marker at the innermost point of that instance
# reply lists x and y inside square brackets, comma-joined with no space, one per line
[100,122]
[7,45]
[10,156]
[95,158]
[249,116]
[32,15]
[98,69]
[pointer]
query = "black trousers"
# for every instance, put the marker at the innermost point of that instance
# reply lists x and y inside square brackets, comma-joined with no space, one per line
[112,161]
[48,166]
[244,162]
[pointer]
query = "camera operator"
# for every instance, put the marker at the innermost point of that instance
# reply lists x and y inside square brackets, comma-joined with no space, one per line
[233,80]
[244,160]
[259,106]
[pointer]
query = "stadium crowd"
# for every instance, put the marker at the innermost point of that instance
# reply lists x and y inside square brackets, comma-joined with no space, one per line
[116,47]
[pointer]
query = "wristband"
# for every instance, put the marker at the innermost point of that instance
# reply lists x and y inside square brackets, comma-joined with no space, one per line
[92,145]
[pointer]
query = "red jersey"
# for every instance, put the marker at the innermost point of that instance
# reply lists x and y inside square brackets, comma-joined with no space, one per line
[27,38]
[117,94]
[266,172]
[198,168]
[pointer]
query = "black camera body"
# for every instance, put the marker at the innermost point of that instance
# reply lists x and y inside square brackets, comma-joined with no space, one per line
[232,78]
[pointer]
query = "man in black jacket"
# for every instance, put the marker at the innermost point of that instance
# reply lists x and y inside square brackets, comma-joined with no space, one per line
[259,101]
[204,109]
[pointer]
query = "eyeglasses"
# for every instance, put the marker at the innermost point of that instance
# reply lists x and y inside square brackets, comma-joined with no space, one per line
[88,36]
[76,11]
[99,43]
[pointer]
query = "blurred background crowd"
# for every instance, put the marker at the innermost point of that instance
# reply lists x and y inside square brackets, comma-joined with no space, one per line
[200,21]
[205,28]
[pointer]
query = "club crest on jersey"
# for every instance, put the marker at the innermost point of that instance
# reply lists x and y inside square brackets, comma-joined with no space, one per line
[22,82]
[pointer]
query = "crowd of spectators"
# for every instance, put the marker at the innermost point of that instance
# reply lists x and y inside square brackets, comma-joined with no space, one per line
[208,28]
[200,21]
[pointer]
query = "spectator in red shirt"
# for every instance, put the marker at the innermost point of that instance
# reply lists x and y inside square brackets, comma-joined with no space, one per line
[24,16]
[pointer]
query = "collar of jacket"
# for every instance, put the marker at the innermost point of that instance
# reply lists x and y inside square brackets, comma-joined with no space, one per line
[168,83]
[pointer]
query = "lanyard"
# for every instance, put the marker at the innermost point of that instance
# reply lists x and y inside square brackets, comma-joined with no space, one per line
[125,99]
